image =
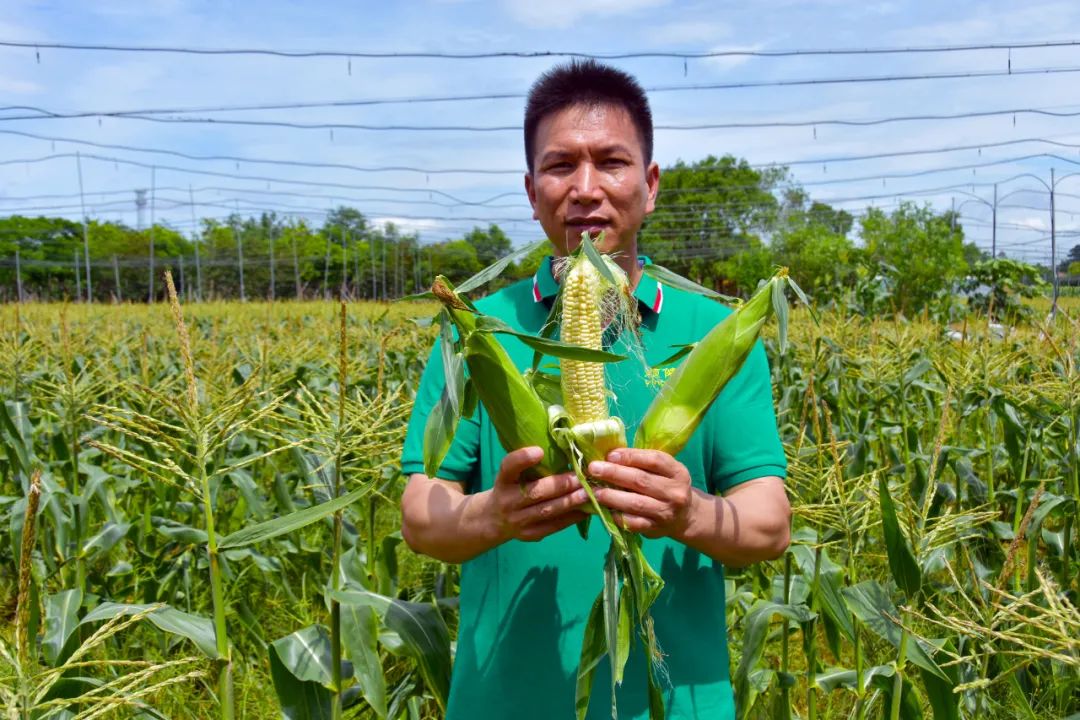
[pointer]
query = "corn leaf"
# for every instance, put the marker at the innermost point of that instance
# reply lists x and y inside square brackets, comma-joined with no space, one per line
[683,351]
[547,346]
[421,633]
[595,258]
[360,633]
[443,421]
[757,623]
[873,607]
[300,699]
[905,570]
[593,650]
[495,269]
[61,619]
[270,529]
[673,279]
[780,307]
[198,630]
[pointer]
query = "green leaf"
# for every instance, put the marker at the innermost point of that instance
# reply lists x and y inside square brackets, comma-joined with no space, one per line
[496,268]
[675,280]
[905,570]
[14,440]
[756,624]
[841,677]
[61,619]
[422,631]
[871,604]
[299,699]
[589,248]
[547,346]
[105,540]
[593,649]
[682,352]
[179,533]
[780,307]
[360,634]
[198,630]
[306,655]
[293,521]
[828,587]
[443,421]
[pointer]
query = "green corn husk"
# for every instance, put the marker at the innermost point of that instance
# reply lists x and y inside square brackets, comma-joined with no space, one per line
[682,402]
[518,414]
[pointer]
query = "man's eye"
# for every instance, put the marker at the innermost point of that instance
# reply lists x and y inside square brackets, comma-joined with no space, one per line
[615,163]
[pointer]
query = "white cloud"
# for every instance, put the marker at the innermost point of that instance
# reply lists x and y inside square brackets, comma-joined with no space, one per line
[565,13]
[689,32]
[18,87]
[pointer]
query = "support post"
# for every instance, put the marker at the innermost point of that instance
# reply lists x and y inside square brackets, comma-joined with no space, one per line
[18,277]
[153,207]
[85,232]
[116,279]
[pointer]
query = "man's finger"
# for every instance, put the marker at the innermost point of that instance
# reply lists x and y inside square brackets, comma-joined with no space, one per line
[654,461]
[540,530]
[517,462]
[631,503]
[549,487]
[542,512]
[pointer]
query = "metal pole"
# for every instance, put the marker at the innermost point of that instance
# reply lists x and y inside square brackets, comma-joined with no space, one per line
[326,270]
[1053,248]
[180,290]
[85,233]
[273,278]
[78,278]
[384,269]
[153,207]
[196,240]
[993,236]
[116,279]
[18,276]
[344,266]
[356,263]
[296,267]
[239,252]
[371,244]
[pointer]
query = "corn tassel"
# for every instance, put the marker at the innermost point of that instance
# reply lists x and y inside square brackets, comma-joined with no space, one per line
[682,402]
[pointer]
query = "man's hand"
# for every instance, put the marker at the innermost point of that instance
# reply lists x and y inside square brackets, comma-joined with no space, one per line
[651,494]
[533,510]
[650,491]
[439,519]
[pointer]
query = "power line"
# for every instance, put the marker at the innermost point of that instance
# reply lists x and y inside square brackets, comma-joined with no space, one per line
[533,54]
[844,80]
[516,171]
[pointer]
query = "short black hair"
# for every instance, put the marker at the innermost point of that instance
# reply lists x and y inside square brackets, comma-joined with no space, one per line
[586,82]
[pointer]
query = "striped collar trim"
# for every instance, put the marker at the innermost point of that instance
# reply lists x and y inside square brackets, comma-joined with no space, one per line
[649,292]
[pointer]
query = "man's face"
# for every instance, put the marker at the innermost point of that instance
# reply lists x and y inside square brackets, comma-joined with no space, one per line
[589,174]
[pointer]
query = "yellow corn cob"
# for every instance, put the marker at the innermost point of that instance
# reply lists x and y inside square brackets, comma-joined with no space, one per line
[583,388]
[584,394]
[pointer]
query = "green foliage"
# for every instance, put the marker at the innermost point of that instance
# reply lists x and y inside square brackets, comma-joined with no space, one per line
[923,248]
[490,244]
[998,286]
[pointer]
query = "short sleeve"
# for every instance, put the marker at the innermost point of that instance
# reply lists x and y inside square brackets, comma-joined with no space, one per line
[743,442]
[461,461]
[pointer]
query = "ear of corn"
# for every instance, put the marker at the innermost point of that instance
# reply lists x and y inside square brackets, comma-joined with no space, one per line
[682,402]
[584,390]
[516,410]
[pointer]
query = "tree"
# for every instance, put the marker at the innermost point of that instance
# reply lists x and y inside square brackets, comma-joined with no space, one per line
[710,209]
[819,259]
[1072,258]
[456,259]
[926,251]
[490,244]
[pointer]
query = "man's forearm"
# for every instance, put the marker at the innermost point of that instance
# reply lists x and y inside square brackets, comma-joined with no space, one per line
[441,521]
[748,525]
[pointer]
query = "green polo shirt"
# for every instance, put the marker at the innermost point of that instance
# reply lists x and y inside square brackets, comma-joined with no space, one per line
[524,605]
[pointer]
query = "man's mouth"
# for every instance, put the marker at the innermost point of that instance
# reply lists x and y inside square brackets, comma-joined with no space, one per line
[593,226]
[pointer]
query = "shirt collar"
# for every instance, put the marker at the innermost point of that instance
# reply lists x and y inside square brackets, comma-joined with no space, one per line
[649,292]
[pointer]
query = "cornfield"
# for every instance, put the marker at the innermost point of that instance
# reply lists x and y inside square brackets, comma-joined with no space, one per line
[199,505]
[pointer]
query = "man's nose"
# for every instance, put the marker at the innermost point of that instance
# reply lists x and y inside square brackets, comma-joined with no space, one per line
[586,185]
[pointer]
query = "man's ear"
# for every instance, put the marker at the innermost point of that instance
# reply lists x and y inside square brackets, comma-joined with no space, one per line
[652,181]
[531,192]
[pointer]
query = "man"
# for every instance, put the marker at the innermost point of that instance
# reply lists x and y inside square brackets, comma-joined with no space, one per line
[528,580]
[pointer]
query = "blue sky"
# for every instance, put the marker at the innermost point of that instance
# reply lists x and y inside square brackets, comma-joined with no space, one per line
[434,204]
